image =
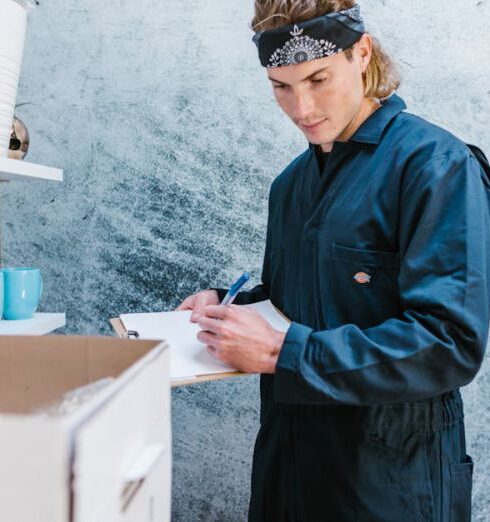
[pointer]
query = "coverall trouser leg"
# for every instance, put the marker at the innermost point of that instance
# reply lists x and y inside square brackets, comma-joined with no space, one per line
[403,462]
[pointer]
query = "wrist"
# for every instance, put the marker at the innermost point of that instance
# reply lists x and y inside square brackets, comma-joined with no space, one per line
[278,341]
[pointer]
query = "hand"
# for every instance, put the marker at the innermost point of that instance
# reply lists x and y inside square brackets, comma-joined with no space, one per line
[240,337]
[197,301]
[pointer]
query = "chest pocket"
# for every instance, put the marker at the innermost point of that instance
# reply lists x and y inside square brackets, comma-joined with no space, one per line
[363,287]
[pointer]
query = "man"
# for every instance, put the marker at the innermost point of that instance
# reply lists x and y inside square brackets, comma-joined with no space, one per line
[377,250]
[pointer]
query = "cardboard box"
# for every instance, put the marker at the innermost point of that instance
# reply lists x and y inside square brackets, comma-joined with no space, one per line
[107,460]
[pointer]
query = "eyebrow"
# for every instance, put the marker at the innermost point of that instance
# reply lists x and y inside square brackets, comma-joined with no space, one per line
[304,79]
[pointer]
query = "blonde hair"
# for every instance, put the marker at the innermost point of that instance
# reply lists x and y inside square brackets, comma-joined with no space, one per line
[381,77]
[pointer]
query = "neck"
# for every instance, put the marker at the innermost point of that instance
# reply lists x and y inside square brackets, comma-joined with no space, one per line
[368,107]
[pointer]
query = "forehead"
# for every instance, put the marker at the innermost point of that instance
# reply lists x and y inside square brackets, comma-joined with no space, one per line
[298,72]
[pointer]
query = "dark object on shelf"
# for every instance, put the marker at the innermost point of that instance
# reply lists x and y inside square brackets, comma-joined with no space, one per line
[19,140]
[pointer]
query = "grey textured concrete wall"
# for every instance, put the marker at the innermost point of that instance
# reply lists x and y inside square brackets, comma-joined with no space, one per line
[169,136]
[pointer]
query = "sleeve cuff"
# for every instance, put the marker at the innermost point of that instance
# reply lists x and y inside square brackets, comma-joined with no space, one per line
[288,369]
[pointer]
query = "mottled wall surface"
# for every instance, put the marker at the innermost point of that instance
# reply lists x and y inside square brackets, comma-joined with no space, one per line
[169,136]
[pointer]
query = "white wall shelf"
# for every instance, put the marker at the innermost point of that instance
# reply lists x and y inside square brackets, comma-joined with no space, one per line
[40,324]
[20,170]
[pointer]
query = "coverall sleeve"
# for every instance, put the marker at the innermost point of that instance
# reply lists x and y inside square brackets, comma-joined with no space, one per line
[437,342]
[257,293]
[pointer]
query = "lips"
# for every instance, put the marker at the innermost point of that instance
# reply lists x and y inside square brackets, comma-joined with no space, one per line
[312,127]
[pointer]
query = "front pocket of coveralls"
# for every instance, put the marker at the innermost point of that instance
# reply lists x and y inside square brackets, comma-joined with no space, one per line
[362,286]
[461,481]
[404,478]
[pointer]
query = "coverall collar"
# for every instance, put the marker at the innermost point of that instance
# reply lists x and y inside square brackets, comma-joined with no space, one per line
[372,129]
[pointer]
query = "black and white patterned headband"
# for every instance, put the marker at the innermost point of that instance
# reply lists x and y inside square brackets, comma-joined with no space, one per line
[316,38]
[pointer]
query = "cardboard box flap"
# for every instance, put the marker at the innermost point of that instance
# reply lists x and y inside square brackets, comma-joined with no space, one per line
[36,371]
[55,466]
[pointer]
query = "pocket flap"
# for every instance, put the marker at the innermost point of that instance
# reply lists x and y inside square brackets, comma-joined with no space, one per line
[364,256]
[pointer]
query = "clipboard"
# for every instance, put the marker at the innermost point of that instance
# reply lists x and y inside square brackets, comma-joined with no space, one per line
[271,313]
[120,330]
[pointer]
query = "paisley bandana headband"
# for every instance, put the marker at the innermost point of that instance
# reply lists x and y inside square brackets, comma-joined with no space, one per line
[316,38]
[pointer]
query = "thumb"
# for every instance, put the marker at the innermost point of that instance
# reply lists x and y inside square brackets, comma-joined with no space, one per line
[200,302]
[187,303]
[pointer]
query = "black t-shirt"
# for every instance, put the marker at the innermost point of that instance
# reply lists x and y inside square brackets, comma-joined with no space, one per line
[321,158]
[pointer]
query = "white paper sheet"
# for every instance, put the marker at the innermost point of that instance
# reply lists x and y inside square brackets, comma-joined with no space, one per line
[188,357]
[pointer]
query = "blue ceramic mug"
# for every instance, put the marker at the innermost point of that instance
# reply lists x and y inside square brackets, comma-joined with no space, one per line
[22,290]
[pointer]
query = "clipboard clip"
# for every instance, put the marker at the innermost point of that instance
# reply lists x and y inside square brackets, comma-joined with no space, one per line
[132,334]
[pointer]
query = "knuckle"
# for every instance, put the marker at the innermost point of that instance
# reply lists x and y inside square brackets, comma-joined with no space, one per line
[211,350]
[203,336]
[225,332]
[220,329]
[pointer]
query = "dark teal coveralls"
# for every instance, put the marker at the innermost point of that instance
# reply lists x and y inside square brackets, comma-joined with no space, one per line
[382,263]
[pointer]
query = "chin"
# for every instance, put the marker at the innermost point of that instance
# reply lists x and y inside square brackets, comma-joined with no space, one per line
[317,138]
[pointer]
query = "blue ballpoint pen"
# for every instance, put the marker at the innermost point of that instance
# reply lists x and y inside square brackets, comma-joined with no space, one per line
[235,288]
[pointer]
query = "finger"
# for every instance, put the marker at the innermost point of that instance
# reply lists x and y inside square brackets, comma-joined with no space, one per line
[216,311]
[206,338]
[187,303]
[199,304]
[196,314]
[210,324]
[213,352]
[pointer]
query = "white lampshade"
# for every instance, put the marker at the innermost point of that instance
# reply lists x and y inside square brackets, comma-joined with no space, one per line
[13,17]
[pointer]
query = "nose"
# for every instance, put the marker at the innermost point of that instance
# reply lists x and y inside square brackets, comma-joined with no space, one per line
[303,105]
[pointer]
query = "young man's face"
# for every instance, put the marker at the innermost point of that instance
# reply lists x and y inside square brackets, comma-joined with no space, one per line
[324,97]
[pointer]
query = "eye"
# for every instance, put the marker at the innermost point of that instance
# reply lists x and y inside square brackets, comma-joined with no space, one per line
[319,80]
[278,86]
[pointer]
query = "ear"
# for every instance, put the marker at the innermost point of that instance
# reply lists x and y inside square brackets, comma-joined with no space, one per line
[365,51]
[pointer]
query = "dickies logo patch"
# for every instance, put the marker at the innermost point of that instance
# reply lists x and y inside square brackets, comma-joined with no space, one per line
[362,278]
